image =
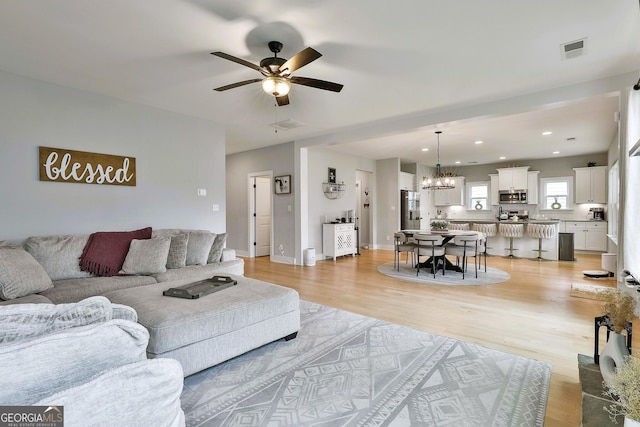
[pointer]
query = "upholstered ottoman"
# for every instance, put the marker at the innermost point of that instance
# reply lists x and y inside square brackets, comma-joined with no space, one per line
[203,332]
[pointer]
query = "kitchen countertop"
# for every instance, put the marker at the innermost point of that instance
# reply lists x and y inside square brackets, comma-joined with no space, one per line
[507,221]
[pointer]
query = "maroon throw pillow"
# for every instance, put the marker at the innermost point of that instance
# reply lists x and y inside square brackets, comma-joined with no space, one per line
[105,251]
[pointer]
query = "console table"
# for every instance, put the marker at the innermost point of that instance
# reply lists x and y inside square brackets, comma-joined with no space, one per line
[338,239]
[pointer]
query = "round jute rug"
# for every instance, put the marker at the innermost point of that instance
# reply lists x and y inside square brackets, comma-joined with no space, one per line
[408,272]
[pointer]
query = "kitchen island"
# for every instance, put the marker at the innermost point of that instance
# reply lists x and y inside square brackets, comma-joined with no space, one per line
[525,246]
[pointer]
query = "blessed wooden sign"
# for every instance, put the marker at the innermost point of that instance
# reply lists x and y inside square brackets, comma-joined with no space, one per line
[57,164]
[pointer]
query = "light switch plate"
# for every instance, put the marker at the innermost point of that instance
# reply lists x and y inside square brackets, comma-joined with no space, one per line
[216,207]
[202,192]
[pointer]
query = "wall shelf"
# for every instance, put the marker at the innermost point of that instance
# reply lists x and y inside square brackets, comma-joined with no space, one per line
[333,190]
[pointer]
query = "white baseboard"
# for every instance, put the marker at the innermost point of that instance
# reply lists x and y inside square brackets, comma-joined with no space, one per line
[242,253]
[283,259]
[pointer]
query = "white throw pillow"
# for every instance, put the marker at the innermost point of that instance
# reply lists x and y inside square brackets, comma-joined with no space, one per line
[147,256]
[20,274]
[177,257]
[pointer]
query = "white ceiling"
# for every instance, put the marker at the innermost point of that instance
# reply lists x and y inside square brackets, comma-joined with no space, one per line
[395,59]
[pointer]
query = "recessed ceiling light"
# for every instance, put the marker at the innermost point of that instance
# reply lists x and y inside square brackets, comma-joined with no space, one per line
[457,162]
[556,152]
[502,157]
[478,142]
[548,132]
[425,149]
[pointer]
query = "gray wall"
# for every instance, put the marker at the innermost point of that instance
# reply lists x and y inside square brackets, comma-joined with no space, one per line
[631,229]
[388,197]
[175,155]
[280,160]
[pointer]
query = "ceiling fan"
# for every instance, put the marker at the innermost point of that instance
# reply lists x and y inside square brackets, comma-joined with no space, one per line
[277,73]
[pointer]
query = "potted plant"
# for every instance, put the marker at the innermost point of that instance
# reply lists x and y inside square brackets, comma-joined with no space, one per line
[620,307]
[439,225]
[624,390]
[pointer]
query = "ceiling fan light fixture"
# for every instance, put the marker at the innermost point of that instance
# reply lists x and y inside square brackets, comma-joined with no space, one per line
[276,86]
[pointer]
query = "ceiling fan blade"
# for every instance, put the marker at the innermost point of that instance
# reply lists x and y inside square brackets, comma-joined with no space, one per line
[237,60]
[299,60]
[282,100]
[318,84]
[238,84]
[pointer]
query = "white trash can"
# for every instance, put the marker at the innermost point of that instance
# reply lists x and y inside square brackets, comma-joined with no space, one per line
[310,257]
[609,262]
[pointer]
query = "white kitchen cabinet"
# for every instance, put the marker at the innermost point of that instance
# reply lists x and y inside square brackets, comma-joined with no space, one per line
[494,192]
[532,187]
[588,235]
[591,184]
[513,178]
[452,197]
[407,181]
[338,240]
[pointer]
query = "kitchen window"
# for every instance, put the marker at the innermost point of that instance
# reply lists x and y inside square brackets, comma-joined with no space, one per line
[478,195]
[557,193]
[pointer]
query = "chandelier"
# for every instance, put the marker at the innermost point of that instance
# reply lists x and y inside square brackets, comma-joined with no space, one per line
[440,180]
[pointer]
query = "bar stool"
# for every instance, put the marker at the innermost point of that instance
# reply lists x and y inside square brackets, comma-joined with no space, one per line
[462,226]
[540,231]
[511,231]
[488,230]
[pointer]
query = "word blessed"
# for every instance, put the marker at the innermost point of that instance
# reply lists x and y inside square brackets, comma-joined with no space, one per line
[86,168]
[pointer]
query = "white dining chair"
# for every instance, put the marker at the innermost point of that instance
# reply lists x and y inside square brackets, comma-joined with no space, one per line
[430,245]
[402,244]
[465,247]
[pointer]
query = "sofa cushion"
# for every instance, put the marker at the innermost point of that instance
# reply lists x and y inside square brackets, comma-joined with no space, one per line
[28,299]
[215,255]
[177,257]
[58,255]
[49,363]
[74,290]
[20,274]
[193,273]
[147,256]
[21,321]
[198,247]
[145,393]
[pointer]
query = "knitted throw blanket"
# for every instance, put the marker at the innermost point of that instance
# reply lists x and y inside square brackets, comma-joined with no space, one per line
[105,251]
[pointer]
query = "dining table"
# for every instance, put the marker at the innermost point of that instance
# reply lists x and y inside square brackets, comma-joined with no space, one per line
[447,236]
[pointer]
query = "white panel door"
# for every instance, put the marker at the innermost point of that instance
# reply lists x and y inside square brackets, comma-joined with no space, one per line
[263,216]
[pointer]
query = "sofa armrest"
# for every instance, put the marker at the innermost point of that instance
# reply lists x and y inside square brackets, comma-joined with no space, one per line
[144,393]
[228,254]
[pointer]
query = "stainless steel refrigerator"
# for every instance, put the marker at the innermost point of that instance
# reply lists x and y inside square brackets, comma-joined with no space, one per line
[409,210]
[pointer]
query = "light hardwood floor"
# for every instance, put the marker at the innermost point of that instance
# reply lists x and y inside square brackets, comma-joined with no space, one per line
[532,314]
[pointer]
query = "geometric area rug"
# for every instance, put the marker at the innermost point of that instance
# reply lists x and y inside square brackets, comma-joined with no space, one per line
[344,369]
[409,273]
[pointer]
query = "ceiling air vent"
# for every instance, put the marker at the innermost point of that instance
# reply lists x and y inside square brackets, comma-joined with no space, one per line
[573,49]
[571,139]
[286,124]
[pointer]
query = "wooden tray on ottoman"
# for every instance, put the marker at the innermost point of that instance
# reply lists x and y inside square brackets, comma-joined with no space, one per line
[201,288]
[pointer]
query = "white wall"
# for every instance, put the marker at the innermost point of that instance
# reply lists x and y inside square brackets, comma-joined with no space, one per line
[319,161]
[280,160]
[175,155]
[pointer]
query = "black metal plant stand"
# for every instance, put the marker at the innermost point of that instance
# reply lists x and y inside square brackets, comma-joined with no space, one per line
[601,321]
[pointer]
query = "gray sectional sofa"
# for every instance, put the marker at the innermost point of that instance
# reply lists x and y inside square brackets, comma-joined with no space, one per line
[64,282]
[44,272]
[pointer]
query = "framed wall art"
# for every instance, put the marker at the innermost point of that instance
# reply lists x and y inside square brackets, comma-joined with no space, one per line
[282,184]
[331,179]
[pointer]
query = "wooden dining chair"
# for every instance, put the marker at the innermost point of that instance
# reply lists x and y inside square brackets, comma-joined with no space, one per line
[430,245]
[465,247]
[402,244]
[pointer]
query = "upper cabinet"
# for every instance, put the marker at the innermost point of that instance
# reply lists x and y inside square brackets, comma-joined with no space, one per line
[532,187]
[452,197]
[495,195]
[407,181]
[513,178]
[591,184]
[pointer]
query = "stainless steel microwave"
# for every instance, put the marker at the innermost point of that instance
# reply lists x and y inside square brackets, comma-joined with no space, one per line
[510,197]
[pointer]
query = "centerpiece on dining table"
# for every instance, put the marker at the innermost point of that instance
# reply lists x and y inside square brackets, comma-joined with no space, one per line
[439,226]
